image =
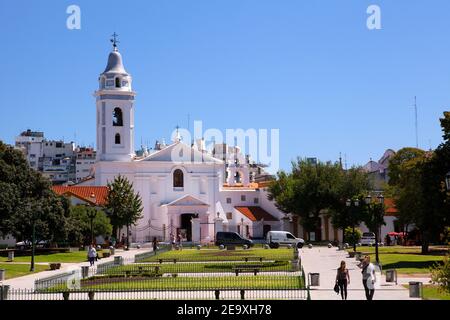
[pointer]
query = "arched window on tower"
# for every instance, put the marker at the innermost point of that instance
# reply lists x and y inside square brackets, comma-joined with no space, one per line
[118,82]
[178,179]
[102,83]
[117,117]
[117,139]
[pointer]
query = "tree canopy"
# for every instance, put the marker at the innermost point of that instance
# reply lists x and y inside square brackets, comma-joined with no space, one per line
[123,205]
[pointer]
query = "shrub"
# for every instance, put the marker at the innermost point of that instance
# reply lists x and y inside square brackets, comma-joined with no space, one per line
[352,237]
[440,275]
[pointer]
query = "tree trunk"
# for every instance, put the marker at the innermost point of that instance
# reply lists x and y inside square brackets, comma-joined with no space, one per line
[425,242]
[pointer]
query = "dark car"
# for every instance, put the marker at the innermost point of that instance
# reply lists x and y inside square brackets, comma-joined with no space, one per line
[232,238]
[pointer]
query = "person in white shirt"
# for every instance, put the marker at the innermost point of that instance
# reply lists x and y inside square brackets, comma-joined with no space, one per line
[368,277]
[92,254]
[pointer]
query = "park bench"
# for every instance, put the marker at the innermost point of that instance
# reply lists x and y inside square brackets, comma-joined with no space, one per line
[167,260]
[247,269]
[143,269]
[247,259]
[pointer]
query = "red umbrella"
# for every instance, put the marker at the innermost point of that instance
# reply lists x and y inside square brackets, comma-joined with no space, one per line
[392,234]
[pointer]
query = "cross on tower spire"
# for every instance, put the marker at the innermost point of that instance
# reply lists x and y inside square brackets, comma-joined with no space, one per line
[114,40]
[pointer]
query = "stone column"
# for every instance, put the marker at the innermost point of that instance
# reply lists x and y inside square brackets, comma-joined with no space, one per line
[196,230]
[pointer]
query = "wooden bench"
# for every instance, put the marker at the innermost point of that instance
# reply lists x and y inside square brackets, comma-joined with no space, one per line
[247,259]
[247,269]
[167,260]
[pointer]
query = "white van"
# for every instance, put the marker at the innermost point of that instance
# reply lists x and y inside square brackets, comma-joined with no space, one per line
[368,239]
[275,239]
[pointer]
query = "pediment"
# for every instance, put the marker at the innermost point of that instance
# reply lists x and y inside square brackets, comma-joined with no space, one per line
[180,152]
[187,201]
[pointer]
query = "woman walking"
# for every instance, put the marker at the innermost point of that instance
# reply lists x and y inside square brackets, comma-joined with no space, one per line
[343,279]
[368,277]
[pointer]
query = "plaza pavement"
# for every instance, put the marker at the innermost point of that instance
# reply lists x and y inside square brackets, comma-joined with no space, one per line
[325,261]
[27,282]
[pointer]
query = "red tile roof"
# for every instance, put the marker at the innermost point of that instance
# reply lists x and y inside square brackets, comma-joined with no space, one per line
[391,209]
[93,195]
[256,213]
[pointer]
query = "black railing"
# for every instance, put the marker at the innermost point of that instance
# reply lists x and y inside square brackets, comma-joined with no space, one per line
[220,294]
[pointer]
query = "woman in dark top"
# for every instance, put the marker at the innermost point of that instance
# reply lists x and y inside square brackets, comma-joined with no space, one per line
[343,279]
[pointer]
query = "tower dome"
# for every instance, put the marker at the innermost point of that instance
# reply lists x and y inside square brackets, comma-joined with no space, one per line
[115,64]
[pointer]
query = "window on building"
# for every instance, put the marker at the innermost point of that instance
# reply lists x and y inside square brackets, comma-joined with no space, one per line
[256,200]
[230,215]
[117,117]
[229,200]
[243,198]
[118,83]
[178,179]
[117,139]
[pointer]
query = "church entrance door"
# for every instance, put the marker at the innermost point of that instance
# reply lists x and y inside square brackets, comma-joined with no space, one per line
[186,225]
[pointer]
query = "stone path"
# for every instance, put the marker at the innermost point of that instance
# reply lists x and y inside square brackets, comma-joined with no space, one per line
[27,282]
[325,261]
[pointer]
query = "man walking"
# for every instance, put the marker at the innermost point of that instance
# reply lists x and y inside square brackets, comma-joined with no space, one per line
[368,277]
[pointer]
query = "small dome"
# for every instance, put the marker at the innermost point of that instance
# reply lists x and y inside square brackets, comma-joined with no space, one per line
[115,64]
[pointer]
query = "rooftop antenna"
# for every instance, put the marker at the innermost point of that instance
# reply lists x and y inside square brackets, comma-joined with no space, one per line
[340,159]
[189,122]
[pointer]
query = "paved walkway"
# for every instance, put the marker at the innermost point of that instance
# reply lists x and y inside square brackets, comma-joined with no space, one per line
[325,261]
[27,282]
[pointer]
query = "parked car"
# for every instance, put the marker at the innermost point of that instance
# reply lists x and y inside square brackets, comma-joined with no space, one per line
[275,239]
[232,239]
[22,245]
[368,239]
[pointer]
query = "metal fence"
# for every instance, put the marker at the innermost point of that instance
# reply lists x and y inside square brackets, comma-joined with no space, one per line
[223,294]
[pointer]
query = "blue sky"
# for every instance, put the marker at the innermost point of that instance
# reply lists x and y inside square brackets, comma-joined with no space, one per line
[309,68]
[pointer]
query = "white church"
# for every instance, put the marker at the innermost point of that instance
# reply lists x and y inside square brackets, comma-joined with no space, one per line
[184,188]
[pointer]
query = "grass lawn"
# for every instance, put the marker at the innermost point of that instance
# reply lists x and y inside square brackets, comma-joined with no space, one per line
[431,292]
[196,283]
[69,257]
[406,260]
[201,267]
[187,255]
[19,270]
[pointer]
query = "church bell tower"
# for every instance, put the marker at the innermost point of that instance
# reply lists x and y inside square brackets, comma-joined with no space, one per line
[115,110]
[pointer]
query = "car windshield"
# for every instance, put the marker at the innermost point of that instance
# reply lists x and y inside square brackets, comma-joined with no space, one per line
[368,235]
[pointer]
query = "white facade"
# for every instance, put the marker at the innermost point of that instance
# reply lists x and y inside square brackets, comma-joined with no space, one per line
[85,162]
[184,189]
[30,143]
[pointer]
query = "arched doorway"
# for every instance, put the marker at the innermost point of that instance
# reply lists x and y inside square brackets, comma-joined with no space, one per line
[186,225]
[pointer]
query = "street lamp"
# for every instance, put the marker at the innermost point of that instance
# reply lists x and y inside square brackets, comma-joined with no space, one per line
[91,213]
[349,205]
[33,238]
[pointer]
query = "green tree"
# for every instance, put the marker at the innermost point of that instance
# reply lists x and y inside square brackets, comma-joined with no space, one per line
[80,225]
[352,236]
[417,179]
[312,189]
[26,199]
[352,185]
[123,206]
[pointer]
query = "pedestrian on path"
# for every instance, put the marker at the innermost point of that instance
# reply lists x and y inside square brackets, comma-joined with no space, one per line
[343,279]
[180,241]
[368,277]
[155,244]
[92,254]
